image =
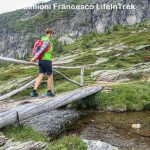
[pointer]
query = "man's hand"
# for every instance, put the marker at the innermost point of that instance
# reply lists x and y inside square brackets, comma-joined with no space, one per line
[33,59]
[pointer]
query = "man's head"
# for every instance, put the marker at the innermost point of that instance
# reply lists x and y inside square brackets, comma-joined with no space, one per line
[49,32]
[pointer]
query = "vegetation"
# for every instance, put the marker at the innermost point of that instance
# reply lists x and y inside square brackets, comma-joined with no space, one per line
[68,143]
[24,133]
[125,97]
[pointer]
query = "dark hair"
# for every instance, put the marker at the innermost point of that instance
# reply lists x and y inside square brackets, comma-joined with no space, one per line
[48,30]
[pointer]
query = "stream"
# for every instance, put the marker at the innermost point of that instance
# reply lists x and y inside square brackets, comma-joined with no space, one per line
[114,128]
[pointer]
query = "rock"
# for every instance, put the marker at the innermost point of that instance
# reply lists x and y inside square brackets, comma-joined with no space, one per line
[122,74]
[66,39]
[98,61]
[98,49]
[142,47]
[9,144]
[101,60]
[119,46]
[65,59]
[2,139]
[98,145]
[117,109]
[16,42]
[30,145]
[129,54]
[52,122]
[136,126]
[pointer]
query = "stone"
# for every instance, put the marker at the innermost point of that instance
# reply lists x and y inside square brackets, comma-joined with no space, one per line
[98,145]
[66,39]
[16,42]
[65,59]
[52,122]
[27,146]
[121,74]
[9,144]
[101,60]
[2,139]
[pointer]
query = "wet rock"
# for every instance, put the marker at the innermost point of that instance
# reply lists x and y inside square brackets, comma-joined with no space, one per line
[53,122]
[98,145]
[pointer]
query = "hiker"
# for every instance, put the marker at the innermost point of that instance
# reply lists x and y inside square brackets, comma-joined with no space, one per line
[45,62]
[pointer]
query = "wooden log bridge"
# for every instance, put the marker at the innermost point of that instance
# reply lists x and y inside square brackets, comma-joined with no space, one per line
[29,110]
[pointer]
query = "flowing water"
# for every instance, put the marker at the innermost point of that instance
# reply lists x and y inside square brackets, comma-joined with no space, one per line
[114,128]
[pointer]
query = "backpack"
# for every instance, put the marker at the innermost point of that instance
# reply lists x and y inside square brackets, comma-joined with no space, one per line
[37,46]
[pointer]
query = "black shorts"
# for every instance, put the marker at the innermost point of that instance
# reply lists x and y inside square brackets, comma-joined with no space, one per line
[45,66]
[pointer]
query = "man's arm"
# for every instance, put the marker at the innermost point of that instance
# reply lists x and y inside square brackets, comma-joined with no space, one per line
[44,46]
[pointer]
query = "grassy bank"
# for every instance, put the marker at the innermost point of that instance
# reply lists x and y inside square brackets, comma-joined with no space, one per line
[123,97]
[24,133]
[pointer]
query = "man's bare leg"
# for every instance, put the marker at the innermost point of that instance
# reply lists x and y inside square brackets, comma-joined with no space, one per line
[49,86]
[38,81]
[49,82]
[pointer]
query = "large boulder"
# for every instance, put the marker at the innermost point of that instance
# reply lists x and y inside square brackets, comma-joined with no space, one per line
[53,122]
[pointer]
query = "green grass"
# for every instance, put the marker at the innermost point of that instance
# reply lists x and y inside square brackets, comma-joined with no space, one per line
[129,96]
[123,60]
[12,72]
[15,71]
[22,133]
[85,59]
[68,143]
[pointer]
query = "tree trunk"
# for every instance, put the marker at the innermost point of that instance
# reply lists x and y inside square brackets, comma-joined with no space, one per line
[30,110]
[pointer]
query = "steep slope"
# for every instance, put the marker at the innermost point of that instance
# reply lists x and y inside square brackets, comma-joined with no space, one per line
[19,29]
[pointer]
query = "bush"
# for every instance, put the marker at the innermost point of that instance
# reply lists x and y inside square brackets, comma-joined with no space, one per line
[117,27]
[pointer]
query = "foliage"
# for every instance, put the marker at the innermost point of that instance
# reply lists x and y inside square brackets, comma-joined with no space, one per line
[24,133]
[117,27]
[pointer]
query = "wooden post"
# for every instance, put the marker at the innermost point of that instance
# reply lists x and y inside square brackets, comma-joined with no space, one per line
[82,76]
